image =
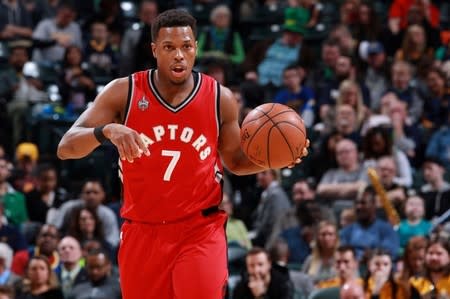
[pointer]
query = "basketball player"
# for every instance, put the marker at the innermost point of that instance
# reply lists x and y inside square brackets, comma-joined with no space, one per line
[169,125]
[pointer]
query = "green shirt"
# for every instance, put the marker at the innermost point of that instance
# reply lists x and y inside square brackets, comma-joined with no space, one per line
[14,207]
[236,231]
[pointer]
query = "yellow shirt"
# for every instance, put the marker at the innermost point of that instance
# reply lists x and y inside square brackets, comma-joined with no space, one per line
[386,290]
[335,282]
[424,286]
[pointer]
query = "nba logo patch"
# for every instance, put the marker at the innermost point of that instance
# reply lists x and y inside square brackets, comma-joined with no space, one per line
[143,104]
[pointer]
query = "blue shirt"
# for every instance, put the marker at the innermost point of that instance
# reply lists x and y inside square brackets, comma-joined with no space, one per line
[379,234]
[294,99]
[298,248]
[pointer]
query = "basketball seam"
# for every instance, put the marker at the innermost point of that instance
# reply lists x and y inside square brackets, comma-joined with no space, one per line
[263,114]
[284,137]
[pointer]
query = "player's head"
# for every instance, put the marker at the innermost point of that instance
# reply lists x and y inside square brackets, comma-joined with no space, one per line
[174,45]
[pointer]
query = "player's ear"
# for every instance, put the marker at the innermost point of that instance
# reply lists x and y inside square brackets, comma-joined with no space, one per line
[153,45]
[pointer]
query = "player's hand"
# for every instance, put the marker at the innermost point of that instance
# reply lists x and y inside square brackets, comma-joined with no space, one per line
[304,154]
[128,142]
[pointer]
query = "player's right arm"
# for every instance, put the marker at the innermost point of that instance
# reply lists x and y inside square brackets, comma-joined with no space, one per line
[107,111]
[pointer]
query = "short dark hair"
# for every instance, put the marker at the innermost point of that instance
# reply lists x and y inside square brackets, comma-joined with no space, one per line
[99,251]
[173,18]
[346,248]
[257,250]
[7,290]
[369,189]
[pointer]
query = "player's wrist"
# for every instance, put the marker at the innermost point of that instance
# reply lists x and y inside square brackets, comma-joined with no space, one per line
[99,134]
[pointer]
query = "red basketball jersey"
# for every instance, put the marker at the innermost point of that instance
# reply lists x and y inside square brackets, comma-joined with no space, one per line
[183,173]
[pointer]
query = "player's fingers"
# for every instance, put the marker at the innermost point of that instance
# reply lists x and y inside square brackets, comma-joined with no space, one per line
[305,152]
[141,145]
[308,143]
[121,151]
[128,152]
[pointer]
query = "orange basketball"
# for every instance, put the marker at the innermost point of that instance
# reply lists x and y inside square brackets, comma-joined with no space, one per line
[273,135]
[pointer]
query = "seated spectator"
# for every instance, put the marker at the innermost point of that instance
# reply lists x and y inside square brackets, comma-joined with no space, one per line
[98,51]
[319,265]
[340,185]
[73,271]
[435,114]
[398,13]
[92,196]
[298,244]
[346,267]
[412,264]
[12,201]
[236,230]
[436,281]
[387,172]
[15,20]
[436,191]
[369,232]
[274,201]
[415,49]
[134,52]
[10,234]
[101,283]
[85,226]
[344,120]
[402,75]
[347,217]
[414,224]
[7,277]
[76,84]
[219,40]
[296,95]
[55,35]
[263,279]
[380,281]
[39,281]
[46,196]
[349,93]
[23,177]
[377,143]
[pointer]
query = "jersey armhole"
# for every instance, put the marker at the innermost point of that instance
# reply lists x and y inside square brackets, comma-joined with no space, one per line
[218,116]
[129,98]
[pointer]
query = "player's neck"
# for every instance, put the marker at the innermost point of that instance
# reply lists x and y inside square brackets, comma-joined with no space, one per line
[171,92]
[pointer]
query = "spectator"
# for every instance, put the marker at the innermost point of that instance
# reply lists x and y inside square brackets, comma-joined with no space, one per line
[436,281]
[73,271]
[46,196]
[375,76]
[402,75]
[415,49]
[367,27]
[380,281]
[57,34]
[413,261]
[319,265]
[344,37]
[263,279]
[435,114]
[13,201]
[369,232]
[378,143]
[236,230]
[414,224]
[11,235]
[98,51]
[92,196]
[76,84]
[340,185]
[219,40]
[85,226]
[346,266]
[347,217]
[39,281]
[273,202]
[135,55]
[23,177]
[7,277]
[15,20]
[398,13]
[436,191]
[296,95]
[101,283]
[349,93]
[47,246]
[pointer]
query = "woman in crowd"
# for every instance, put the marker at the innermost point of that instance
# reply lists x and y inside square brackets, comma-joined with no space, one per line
[319,265]
[40,281]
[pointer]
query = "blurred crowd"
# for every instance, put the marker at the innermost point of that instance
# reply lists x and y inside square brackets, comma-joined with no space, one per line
[365,215]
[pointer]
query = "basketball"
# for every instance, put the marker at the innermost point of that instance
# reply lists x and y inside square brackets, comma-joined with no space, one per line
[273,135]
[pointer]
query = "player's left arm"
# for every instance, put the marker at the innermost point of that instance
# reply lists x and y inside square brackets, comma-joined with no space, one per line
[230,137]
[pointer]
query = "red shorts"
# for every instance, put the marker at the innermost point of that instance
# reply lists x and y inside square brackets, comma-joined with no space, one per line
[182,260]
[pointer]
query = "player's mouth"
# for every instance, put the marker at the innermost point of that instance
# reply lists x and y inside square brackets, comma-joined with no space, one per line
[178,71]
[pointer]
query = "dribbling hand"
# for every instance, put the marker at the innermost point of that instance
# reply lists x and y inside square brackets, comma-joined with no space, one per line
[304,154]
[128,142]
